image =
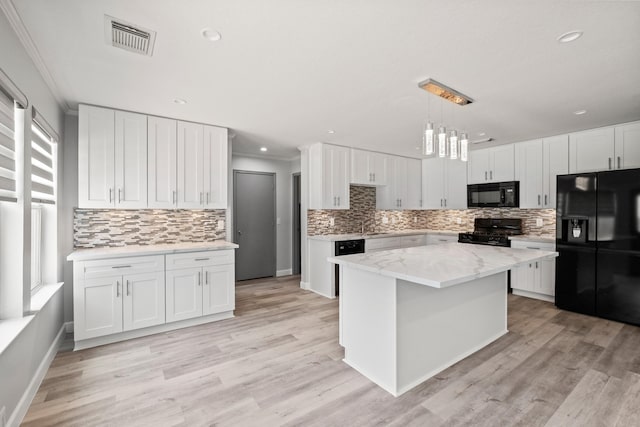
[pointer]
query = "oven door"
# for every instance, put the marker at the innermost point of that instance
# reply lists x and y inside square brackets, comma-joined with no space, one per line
[493,195]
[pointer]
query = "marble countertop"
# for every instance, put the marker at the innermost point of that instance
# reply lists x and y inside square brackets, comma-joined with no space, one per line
[440,266]
[141,250]
[532,238]
[399,233]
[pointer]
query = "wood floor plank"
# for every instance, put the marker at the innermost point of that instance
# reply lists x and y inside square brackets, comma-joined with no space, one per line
[278,363]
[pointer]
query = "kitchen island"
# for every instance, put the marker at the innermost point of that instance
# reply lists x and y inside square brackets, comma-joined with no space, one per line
[407,314]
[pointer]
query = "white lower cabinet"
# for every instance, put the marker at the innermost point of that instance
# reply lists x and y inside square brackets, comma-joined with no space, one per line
[206,287]
[116,298]
[118,295]
[438,239]
[535,279]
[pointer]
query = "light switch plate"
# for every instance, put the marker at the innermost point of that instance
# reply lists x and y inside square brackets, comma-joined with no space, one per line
[221,224]
[332,221]
[539,222]
[385,220]
[458,220]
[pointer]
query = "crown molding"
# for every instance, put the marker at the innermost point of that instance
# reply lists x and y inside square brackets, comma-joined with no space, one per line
[9,10]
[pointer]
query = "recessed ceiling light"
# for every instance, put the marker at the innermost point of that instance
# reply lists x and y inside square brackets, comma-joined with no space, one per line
[180,101]
[211,35]
[263,148]
[570,36]
[331,131]
[580,112]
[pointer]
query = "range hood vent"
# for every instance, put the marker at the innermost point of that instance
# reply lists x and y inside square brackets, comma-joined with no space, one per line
[124,35]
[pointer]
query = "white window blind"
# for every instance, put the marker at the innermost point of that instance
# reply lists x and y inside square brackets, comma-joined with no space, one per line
[43,165]
[36,247]
[7,150]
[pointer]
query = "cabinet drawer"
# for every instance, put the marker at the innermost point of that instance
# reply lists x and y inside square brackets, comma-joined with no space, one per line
[199,259]
[383,243]
[122,266]
[437,239]
[541,246]
[411,241]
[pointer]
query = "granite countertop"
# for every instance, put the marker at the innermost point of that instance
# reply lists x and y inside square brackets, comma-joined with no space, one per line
[399,233]
[141,250]
[440,266]
[533,238]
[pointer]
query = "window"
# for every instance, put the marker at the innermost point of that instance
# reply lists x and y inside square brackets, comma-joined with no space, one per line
[7,150]
[36,248]
[43,165]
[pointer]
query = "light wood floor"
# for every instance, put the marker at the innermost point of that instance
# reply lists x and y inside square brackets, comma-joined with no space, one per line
[278,363]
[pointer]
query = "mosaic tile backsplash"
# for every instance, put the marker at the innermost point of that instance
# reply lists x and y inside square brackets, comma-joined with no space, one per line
[363,210]
[95,228]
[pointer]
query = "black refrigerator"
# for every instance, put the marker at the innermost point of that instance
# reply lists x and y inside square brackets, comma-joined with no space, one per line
[598,241]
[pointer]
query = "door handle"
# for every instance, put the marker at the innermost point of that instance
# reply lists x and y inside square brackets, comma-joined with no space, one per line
[117,289]
[619,162]
[128,288]
[239,233]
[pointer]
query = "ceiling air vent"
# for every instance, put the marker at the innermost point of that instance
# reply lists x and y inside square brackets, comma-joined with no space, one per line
[124,35]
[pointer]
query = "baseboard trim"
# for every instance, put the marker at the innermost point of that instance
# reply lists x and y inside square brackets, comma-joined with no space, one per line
[321,294]
[304,285]
[287,272]
[535,295]
[27,397]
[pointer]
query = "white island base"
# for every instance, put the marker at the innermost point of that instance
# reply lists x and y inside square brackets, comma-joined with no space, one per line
[398,333]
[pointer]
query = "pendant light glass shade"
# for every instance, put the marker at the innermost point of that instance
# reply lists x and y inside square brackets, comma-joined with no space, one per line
[427,140]
[453,145]
[464,147]
[442,141]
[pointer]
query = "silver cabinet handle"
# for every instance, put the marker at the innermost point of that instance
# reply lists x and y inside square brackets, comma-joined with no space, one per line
[374,176]
[121,266]
[536,264]
[619,166]
[206,277]
[207,197]
[175,198]
[531,247]
[545,200]
[338,200]
[201,197]
[334,201]
[609,163]
[119,195]
[538,200]
[485,175]
[440,202]
[199,278]
[490,174]
[117,288]
[128,288]
[110,196]
[445,203]
[202,259]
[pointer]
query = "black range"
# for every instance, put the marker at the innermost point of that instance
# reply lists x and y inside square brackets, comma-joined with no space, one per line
[492,231]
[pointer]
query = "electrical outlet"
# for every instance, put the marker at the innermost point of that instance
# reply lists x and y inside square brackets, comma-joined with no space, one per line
[385,220]
[458,220]
[393,220]
[278,220]
[539,222]
[221,224]
[332,221]
[415,219]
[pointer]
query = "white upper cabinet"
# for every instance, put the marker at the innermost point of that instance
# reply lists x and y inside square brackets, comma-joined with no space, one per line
[444,184]
[215,167]
[112,159]
[627,146]
[495,164]
[162,174]
[555,151]
[404,187]
[329,175]
[414,185]
[591,150]
[368,168]
[96,157]
[190,165]
[528,170]
[131,160]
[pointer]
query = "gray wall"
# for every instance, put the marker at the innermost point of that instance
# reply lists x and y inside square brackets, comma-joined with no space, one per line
[284,209]
[68,199]
[20,361]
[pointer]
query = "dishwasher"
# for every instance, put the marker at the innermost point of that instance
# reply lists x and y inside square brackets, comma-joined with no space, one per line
[346,247]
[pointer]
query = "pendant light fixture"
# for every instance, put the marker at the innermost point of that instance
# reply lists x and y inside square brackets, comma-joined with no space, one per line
[448,145]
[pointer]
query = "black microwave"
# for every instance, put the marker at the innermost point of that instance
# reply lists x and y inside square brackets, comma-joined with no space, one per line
[494,195]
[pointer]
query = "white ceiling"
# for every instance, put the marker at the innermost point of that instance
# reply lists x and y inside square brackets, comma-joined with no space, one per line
[285,72]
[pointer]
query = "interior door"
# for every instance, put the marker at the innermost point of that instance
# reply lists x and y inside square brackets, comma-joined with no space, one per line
[254,212]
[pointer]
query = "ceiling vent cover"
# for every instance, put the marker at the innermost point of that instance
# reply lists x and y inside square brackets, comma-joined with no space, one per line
[124,35]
